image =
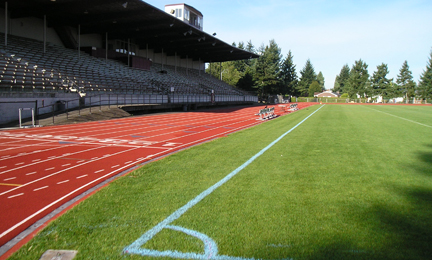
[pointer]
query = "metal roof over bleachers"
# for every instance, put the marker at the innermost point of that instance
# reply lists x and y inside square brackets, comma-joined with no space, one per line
[130,19]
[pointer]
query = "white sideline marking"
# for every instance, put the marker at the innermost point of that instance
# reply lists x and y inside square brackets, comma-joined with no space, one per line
[82,176]
[99,171]
[8,179]
[1,167]
[19,163]
[62,182]
[64,165]
[402,118]
[52,168]
[135,247]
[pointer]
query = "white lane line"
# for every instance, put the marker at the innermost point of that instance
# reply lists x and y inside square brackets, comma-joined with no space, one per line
[1,167]
[82,176]
[13,196]
[64,165]
[99,171]
[30,173]
[8,179]
[36,160]
[80,161]
[127,162]
[41,188]
[21,163]
[48,169]
[115,166]
[62,182]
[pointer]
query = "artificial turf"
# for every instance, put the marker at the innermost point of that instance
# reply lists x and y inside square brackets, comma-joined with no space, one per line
[351,182]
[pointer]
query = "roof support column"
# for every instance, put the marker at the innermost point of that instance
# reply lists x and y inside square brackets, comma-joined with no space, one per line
[106,48]
[6,23]
[175,62]
[162,60]
[44,34]
[79,41]
[128,52]
[220,65]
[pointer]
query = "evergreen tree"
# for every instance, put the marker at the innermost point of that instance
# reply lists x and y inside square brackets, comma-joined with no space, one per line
[425,84]
[381,85]
[267,69]
[320,79]
[405,82]
[307,76]
[288,76]
[341,80]
[358,81]
[313,88]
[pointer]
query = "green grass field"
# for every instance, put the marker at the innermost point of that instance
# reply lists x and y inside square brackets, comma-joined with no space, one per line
[351,182]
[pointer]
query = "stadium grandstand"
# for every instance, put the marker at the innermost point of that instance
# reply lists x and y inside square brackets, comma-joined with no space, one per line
[64,54]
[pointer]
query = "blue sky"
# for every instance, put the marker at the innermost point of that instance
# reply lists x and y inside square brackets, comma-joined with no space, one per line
[329,33]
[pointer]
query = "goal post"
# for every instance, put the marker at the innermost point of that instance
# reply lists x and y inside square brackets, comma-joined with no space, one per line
[20,116]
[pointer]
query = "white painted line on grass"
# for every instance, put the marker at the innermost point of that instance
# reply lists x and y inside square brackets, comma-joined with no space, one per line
[412,121]
[62,182]
[41,188]
[13,196]
[136,247]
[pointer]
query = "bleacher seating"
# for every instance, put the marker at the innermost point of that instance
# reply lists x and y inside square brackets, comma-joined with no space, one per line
[24,67]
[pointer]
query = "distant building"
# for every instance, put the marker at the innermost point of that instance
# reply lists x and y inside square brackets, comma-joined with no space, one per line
[326,93]
[186,13]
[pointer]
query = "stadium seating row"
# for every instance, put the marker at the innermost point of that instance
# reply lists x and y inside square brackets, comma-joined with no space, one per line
[25,67]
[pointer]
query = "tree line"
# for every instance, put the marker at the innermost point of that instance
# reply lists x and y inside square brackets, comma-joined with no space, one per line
[272,73]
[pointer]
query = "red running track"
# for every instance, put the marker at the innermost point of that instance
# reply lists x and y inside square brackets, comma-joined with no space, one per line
[43,168]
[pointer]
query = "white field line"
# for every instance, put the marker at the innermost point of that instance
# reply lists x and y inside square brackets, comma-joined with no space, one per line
[13,196]
[63,182]
[135,247]
[409,120]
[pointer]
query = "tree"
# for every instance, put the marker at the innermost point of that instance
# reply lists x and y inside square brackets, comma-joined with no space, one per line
[342,79]
[267,69]
[358,81]
[381,85]
[320,79]
[288,76]
[307,76]
[405,82]
[425,84]
[314,87]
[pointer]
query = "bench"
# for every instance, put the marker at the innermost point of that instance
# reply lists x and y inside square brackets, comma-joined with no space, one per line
[266,113]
